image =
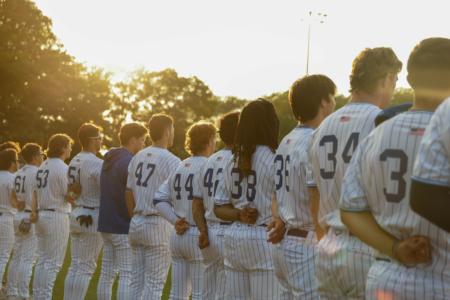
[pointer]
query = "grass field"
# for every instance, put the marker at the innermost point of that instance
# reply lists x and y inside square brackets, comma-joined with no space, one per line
[58,291]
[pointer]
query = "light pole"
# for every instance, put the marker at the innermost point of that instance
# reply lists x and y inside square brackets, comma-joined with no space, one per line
[312,17]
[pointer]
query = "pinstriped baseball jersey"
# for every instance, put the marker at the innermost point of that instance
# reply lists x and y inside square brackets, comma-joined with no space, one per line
[255,190]
[332,147]
[210,179]
[6,189]
[86,167]
[52,185]
[293,175]
[433,160]
[181,186]
[146,172]
[379,179]
[25,184]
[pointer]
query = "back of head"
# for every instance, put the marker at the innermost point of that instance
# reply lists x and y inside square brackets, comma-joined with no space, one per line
[227,127]
[57,143]
[429,67]
[29,151]
[306,95]
[258,125]
[371,66]
[7,157]
[198,136]
[158,124]
[86,132]
[131,130]
[10,145]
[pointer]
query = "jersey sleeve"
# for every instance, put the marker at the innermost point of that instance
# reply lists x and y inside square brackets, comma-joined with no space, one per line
[353,196]
[163,194]
[130,176]
[63,180]
[197,184]
[223,193]
[433,160]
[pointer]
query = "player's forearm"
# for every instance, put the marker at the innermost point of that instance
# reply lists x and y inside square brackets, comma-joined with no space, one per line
[166,211]
[34,203]
[130,203]
[315,201]
[364,226]
[227,212]
[14,200]
[431,202]
[198,212]
[275,213]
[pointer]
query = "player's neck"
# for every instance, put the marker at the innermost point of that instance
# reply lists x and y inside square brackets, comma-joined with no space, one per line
[425,104]
[362,97]
[314,123]
[160,144]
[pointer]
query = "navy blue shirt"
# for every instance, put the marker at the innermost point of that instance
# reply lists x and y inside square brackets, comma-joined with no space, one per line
[113,214]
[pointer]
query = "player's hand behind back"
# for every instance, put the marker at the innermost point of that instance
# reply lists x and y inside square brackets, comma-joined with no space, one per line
[413,250]
[203,240]
[181,225]
[276,231]
[248,215]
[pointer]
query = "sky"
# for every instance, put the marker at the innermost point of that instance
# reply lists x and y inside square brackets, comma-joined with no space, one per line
[243,48]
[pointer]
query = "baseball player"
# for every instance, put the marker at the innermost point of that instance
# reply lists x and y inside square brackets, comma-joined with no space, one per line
[173,200]
[54,203]
[8,166]
[211,228]
[149,232]
[431,176]
[375,191]
[86,242]
[311,99]
[245,198]
[342,261]
[24,253]
[114,219]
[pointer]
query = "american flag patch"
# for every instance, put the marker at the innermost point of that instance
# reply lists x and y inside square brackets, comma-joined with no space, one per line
[149,154]
[344,119]
[219,158]
[187,165]
[417,131]
[288,141]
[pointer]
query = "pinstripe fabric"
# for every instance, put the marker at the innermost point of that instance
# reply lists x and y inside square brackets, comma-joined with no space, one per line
[6,219]
[24,253]
[339,256]
[149,235]
[293,258]
[116,258]
[213,256]
[86,242]
[52,228]
[248,256]
[433,159]
[384,190]
[187,266]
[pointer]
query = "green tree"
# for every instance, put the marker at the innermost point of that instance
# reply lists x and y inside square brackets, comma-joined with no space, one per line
[43,90]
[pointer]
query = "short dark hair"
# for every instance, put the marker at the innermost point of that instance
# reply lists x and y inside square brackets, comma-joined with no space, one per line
[429,64]
[157,124]
[7,157]
[306,95]
[198,137]
[57,143]
[10,145]
[131,130]
[227,127]
[29,151]
[371,65]
[86,132]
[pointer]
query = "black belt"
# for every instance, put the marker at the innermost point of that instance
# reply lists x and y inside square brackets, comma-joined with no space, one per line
[383,259]
[263,225]
[27,210]
[225,223]
[88,207]
[297,232]
[48,209]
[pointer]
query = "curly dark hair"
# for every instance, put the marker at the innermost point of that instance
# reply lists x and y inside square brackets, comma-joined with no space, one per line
[371,65]
[198,137]
[227,127]
[258,125]
[429,64]
[57,143]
